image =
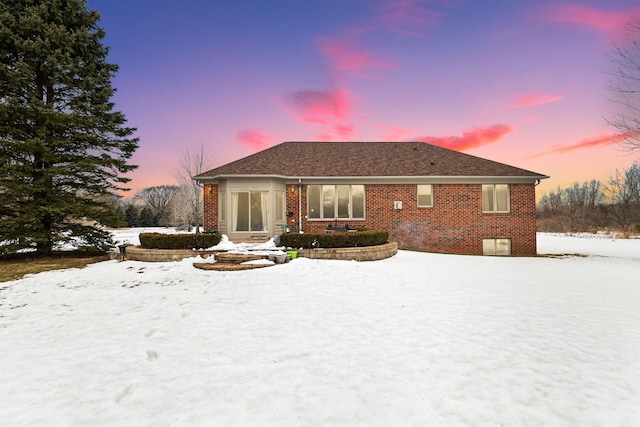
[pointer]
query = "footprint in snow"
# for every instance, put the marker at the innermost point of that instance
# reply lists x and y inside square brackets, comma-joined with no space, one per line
[152,355]
[150,332]
[126,392]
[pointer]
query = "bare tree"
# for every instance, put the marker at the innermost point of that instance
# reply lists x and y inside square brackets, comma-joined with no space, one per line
[180,212]
[623,194]
[158,197]
[576,207]
[553,203]
[583,199]
[625,87]
[193,164]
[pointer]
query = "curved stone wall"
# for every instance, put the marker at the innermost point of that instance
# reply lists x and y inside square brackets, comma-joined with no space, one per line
[137,253]
[365,253]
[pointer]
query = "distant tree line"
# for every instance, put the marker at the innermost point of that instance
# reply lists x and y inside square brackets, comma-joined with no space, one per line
[159,206]
[593,205]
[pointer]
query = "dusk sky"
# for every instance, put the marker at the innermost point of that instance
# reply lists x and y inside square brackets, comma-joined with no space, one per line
[520,82]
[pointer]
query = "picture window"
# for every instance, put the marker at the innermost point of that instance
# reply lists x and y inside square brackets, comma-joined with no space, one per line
[335,201]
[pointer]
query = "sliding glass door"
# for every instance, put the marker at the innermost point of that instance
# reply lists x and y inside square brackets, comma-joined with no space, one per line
[249,210]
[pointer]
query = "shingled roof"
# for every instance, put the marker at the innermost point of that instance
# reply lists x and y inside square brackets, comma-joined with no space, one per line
[366,159]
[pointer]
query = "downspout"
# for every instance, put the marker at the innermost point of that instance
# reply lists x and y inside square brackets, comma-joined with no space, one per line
[300,205]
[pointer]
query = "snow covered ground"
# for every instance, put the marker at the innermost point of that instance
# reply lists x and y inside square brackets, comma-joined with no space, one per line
[415,340]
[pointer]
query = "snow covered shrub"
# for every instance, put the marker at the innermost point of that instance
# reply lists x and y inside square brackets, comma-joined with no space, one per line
[334,240]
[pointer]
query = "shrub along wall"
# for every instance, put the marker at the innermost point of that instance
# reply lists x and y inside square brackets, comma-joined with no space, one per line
[334,240]
[178,241]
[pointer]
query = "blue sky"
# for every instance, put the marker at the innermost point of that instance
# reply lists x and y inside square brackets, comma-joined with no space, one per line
[524,83]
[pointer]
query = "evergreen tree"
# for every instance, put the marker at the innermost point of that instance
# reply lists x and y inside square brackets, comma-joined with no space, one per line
[118,220]
[62,147]
[131,216]
[163,218]
[147,218]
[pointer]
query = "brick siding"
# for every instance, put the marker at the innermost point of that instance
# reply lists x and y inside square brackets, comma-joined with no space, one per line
[455,223]
[211,207]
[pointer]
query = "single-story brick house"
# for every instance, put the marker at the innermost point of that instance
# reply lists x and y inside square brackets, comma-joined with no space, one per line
[428,198]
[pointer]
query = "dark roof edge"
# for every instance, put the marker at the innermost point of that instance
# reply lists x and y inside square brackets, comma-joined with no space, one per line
[442,178]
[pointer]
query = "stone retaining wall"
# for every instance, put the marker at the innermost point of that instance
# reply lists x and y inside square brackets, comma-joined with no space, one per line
[137,253]
[365,253]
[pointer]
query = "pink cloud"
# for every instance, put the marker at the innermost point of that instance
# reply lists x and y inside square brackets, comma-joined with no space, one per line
[599,19]
[324,137]
[344,56]
[408,17]
[392,133]
[597,141]
[317,105]
[344,131]
[532,99]
[339,132]
[256,139]
[326,109]
[469,139]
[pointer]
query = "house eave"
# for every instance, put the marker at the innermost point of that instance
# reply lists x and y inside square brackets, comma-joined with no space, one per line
[418,179]
[216,178]
[441,179]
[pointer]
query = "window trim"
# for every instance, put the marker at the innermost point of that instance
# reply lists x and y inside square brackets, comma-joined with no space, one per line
[336,203]
[494,194]
[418,195]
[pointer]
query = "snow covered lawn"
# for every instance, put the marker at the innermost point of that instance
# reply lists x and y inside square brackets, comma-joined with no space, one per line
[418,339]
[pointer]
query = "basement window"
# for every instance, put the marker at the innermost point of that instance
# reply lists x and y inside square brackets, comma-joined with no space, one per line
[496,247]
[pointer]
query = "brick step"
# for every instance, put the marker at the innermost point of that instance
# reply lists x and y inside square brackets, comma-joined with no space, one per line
[230,258]
[225,266]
